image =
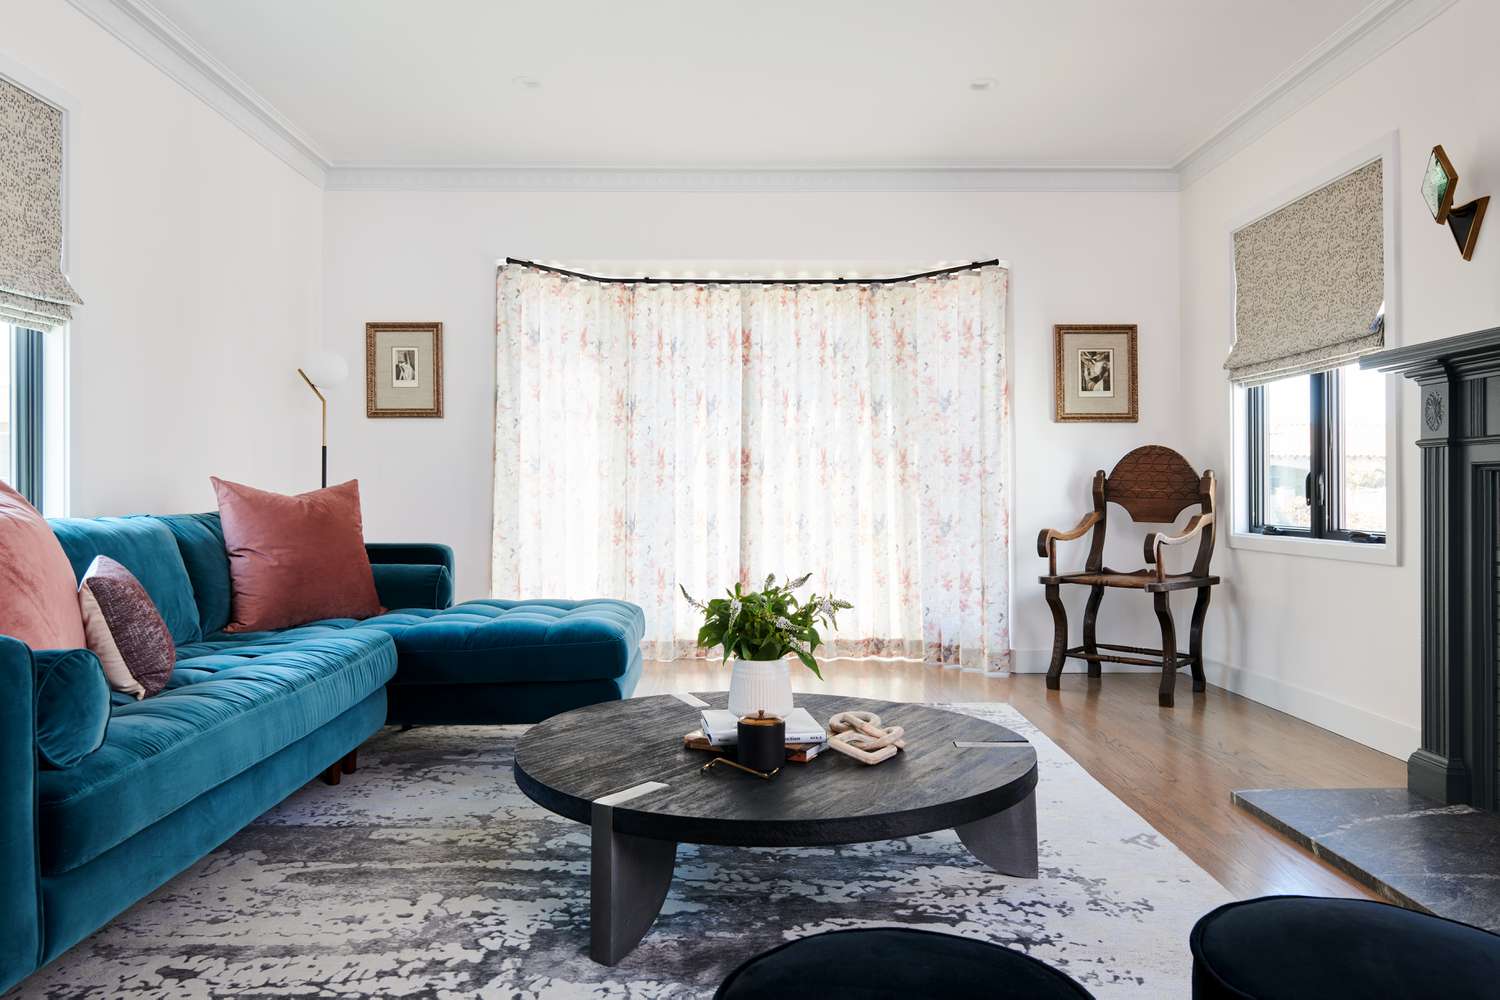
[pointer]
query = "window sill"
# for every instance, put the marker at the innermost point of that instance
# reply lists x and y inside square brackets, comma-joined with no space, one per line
[1384,554]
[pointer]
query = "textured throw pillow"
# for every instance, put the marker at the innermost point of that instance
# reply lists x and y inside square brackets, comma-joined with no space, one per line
[295,559]
[38,592]
[125,630]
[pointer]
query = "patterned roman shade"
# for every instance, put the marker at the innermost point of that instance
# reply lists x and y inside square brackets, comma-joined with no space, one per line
[33,291]
[1310,282]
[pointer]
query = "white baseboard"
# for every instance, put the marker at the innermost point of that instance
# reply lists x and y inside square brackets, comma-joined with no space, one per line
[1375,731]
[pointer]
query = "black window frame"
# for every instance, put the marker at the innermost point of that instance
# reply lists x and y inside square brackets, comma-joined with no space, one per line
[1326,461]
[27,413]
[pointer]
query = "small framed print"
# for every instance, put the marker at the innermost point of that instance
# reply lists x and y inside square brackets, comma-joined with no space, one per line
[403,369]
[1094,375]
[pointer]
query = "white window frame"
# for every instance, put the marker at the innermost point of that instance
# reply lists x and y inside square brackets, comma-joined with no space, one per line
[1388,553]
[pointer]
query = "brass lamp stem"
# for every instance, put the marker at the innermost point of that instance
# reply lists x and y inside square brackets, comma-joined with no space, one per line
[323,401]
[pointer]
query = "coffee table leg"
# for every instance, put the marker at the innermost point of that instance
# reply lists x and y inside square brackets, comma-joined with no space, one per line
[629,877]
[1005,841]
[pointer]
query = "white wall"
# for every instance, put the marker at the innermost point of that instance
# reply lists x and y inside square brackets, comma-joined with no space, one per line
[1075,258]
[209,267]
[1337,643]
[198,255]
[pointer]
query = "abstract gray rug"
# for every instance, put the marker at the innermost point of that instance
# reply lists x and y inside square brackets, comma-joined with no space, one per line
[429,875]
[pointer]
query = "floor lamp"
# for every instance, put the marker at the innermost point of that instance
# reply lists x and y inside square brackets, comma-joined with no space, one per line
[324,370]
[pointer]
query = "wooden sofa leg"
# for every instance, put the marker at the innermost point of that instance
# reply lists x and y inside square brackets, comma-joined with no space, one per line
[1195,638]
[1168,649]
[1090,617]
[332,775]
[350,761]
[1059,636]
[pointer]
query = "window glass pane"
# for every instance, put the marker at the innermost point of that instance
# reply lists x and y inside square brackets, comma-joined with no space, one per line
[1286,405]
[6,471]
[1362,445]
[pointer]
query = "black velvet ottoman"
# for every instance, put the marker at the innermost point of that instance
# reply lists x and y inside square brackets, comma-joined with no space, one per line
[1304,946]
[897,963]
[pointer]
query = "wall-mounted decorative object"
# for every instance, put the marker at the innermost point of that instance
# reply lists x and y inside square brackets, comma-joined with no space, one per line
[1439,183]
[403,369]
[1095,373]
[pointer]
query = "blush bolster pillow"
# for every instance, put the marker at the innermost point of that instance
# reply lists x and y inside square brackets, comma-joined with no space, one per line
[295,559]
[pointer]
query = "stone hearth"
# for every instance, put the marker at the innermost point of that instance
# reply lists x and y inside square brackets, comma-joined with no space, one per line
[1415,852]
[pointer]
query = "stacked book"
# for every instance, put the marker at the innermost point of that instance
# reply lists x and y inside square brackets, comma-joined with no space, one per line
[805,738]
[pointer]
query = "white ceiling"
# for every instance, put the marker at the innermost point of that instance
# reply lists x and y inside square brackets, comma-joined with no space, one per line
[760,83]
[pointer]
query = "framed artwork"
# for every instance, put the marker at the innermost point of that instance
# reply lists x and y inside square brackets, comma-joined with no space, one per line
[1094,376]
[403,369]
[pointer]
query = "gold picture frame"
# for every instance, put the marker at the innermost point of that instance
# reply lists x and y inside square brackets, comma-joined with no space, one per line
[1096,375]
[403,369]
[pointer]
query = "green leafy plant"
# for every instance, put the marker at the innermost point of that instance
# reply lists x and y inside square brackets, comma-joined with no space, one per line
[769,623]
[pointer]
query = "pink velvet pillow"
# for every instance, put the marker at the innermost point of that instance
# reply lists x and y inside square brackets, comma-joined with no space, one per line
[296,559]
[38,593]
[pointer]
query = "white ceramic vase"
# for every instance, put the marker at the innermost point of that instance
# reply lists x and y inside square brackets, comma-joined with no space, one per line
[757,686]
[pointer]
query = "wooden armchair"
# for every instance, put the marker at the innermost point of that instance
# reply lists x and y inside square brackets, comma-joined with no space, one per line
[1154,485]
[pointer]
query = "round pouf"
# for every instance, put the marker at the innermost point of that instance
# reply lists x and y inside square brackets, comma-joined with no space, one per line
[894,962]
[1303,946]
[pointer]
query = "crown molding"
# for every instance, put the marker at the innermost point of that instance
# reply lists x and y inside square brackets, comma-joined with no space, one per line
[1370,33]
[713,180]
[144,29]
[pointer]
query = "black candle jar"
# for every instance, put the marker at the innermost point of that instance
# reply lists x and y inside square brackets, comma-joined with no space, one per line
[762,743]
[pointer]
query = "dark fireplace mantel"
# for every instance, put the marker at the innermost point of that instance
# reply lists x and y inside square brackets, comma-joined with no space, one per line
[1459,417]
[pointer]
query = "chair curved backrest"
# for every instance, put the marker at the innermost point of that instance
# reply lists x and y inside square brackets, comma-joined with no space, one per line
[1155,484]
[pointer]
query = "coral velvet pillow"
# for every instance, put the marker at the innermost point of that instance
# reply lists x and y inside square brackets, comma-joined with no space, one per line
[125,631]
[296,559]
[38,593]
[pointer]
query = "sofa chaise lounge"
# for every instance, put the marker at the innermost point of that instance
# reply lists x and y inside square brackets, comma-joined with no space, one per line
[249,718]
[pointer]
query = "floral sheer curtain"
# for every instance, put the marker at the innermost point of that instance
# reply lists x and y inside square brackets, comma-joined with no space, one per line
[651,435]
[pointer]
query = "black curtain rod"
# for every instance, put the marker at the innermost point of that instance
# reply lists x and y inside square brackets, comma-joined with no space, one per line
[754,281]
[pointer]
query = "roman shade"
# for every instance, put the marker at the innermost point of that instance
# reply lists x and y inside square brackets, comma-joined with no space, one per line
[1310,282]
[33,291]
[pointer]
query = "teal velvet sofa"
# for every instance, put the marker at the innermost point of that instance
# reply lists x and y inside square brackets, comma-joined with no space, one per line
[249,718]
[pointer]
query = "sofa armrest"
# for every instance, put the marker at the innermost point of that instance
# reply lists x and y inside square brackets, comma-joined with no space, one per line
[20,883]
[413,585]
[412,574]
[410,554]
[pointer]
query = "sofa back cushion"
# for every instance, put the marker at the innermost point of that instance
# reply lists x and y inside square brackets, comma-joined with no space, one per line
[38,595]
[146,547]
[200,539]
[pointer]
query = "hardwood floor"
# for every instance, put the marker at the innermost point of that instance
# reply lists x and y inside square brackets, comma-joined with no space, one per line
[1174,766]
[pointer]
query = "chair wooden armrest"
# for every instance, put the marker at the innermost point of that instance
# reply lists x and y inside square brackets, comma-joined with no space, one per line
[1156,541]
[1046,542]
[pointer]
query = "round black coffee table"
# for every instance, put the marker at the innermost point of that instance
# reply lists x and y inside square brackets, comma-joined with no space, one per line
[621,767]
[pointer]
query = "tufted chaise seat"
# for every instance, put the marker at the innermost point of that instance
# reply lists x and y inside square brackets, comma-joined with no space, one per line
[487,661]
